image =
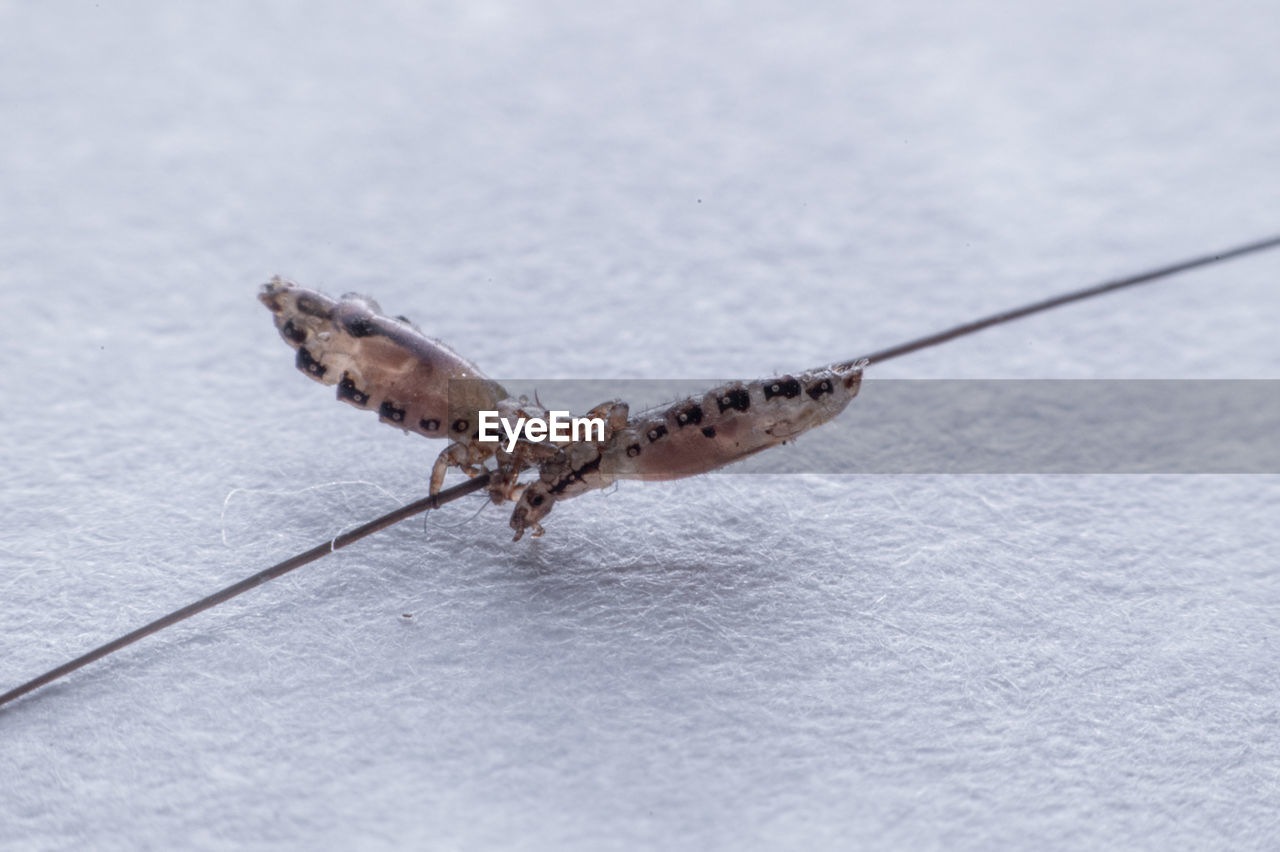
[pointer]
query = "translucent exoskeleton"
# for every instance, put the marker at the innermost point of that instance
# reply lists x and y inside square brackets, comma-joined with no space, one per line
[420,385]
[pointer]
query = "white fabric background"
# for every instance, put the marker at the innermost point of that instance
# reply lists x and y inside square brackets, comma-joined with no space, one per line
[565,190]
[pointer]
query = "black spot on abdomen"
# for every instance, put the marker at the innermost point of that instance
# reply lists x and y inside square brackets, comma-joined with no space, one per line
[388,412]
[293,333]
[633,450]
[359,326]
[738,399]
[688,416]
[656,432]
[709,431]
[817,389]
[347,390]
[461,425]
[429,425]
[786,387]
[310,365]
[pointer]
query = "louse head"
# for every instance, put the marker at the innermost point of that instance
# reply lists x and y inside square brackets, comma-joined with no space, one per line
[274,293]
[285,299]
[535,503]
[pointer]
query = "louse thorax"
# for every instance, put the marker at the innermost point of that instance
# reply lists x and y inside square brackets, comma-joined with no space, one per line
[574,469]
[729,423]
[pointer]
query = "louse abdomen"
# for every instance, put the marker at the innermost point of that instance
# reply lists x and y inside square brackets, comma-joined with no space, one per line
[729,423]
[380,363]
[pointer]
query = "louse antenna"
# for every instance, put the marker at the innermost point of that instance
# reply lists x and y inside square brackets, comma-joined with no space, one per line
[479,482]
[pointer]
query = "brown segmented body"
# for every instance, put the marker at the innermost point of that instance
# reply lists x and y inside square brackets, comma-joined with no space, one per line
[421,385]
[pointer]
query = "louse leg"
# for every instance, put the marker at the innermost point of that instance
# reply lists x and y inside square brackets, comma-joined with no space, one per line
[504,482]
[455,455]
[504,486]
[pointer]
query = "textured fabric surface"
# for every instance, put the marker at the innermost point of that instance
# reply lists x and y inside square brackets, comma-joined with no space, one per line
[654,191]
